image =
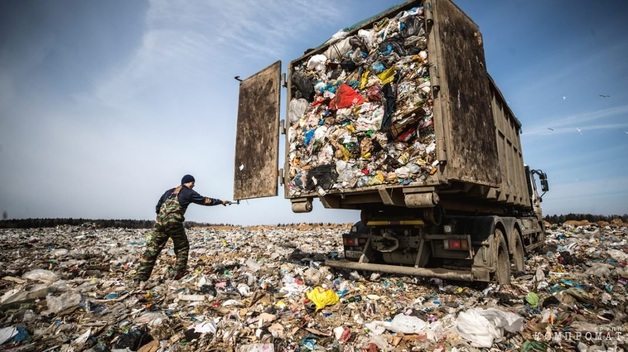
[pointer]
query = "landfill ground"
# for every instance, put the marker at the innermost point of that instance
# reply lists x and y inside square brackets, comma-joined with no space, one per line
[266,288]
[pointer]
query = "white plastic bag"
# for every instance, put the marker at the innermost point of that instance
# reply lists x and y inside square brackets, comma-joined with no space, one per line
[482,326]
[317,62]
[7,333]
[338,49]
[296,109]
[406,324]
[376,327]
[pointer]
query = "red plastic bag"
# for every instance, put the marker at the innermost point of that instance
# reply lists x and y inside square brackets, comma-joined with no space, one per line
[346,97]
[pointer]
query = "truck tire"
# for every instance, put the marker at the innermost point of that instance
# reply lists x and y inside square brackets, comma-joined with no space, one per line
[502,267]
[518,256]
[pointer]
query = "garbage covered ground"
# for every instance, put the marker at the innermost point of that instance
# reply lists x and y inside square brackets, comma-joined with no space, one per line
[267,289]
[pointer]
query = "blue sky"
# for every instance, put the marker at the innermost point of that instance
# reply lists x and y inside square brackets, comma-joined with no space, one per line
[106,104]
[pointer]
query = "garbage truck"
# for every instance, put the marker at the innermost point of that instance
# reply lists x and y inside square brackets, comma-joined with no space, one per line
[397,117]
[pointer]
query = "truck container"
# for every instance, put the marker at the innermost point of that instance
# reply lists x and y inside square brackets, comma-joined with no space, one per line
[398,117]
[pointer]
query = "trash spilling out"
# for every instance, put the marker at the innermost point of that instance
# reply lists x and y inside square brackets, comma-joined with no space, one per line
[266,288]
[360,112]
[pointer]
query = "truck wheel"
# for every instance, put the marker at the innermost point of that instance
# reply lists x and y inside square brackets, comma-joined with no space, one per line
[518,259]
[502,270]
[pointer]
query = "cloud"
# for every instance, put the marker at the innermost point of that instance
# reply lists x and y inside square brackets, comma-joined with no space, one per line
[193,40]
[584,122]
[163,57]
[251,24]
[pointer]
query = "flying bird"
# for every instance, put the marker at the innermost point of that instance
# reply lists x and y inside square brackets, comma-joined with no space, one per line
[605,96]
[579,130]
[564,98]
[549,128]
[238,78]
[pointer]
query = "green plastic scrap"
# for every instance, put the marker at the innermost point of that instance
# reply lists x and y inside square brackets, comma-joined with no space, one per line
[533,299]
[534,346]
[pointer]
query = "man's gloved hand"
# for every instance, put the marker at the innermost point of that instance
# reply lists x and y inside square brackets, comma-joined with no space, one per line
[226,202]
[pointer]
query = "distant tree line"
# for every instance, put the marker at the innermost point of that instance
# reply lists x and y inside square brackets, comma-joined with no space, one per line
[559,219]
[144,224]
[99,223]
[53,222]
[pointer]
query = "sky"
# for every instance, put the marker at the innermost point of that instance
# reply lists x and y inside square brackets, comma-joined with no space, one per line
[106,104]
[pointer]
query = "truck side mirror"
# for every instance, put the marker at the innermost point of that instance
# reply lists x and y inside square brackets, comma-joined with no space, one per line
[544,183]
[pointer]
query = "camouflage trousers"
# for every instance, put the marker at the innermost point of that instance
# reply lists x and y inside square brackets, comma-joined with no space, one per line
[155,243]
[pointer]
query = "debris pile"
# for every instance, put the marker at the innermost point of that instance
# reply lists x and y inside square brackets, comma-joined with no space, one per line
[267,289]
[361,110]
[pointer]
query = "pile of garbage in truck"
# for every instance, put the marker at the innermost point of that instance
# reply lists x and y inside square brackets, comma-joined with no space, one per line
[266,288]
[360,112]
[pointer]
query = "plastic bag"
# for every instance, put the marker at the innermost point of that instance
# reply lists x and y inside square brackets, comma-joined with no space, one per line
[64,303]
[346,97]
[317,62]
[322,297]
[41,275]
[337,51]
[322,176]
[7,333]
[297,109]
[410,26]
[599,270]
[387,76]
[533,299]
[368,36]
[205,327]
[406,324]
[482,326]
[303,86]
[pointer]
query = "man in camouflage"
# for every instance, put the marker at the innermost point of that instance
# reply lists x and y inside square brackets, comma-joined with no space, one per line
[169,224]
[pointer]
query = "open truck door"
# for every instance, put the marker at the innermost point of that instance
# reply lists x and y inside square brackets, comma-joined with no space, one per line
[257,136]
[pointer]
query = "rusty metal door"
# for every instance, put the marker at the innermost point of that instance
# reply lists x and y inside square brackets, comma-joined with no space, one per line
[465,97]
[257,136]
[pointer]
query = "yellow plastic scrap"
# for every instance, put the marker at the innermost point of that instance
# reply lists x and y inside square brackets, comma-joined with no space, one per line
[322,297]
[380,177]
[364,79]
[404,158]
[345,153]
[387,75]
